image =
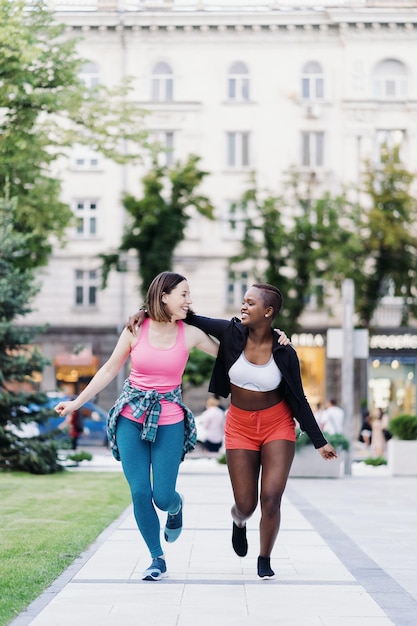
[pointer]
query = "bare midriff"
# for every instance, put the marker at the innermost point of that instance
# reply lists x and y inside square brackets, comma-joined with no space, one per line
[248,400]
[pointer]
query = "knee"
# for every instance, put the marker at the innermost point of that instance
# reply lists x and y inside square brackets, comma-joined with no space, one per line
[163,500]
[245,508]
[140,494]
[271,503]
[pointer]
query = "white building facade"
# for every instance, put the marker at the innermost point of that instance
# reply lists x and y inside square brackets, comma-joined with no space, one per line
[247,86]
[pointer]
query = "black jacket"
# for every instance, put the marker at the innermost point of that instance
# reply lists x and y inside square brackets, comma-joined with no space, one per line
[232,336]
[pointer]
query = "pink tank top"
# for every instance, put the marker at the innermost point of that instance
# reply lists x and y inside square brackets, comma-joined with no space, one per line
[160,369]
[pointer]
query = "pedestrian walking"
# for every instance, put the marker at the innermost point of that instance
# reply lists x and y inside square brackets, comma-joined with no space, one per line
[264,381]
[74,423]
[333,418]
[212,422]
[149,427]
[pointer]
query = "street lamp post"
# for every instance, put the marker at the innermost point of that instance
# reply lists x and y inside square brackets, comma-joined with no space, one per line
[348,298]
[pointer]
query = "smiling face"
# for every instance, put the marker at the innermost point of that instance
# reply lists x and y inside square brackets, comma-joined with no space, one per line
[168,295]
[178,301]
[253,308]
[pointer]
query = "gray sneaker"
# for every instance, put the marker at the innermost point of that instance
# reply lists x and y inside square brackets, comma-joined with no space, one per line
[173,527]
[156,570]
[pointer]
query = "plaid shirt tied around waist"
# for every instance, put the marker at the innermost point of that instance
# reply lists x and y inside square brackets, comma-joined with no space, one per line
[148,403]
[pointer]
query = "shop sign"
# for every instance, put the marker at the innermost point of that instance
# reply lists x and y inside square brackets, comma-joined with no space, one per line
[406,341]
[307,340]
[336,347]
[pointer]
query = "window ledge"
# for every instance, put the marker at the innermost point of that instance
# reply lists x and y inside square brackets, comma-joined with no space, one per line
[239,102]
[88,238]
[80,308]
[238,170]
[88,170]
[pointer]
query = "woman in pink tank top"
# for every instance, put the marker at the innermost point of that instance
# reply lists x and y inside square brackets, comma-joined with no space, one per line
[264,382]
[149,427]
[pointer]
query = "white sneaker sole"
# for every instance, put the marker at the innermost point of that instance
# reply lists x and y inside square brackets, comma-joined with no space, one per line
[147,575]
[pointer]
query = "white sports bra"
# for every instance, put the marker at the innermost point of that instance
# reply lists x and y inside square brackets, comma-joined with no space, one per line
[247,375]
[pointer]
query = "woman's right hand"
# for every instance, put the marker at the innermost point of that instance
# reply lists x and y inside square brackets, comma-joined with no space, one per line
[135,321]
[65,408]
[327,452]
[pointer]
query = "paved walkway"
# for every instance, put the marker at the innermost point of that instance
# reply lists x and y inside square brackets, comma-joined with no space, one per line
[346,555]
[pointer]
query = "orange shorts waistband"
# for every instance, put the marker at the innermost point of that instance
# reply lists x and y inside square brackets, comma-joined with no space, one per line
[249,430]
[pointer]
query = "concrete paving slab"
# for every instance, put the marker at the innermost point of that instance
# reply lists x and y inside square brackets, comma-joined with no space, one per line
[346,553]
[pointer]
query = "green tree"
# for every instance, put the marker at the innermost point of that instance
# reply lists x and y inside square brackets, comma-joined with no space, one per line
[297,242]
[198,370]
[389,238]
[20,360]
[159,218]
[44,109]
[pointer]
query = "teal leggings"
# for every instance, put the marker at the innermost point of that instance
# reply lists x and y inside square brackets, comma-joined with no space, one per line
[151,470]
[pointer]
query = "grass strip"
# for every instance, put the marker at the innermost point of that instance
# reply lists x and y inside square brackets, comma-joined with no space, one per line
[46,523]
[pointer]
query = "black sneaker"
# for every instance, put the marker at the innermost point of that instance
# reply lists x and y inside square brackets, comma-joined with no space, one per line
[264,568]
[156,570]
[239,541]
[173,527]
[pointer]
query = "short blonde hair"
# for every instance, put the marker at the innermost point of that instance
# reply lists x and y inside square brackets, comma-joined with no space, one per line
[165,282]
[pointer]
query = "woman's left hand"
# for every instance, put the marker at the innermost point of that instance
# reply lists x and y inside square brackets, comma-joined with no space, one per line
[328,452]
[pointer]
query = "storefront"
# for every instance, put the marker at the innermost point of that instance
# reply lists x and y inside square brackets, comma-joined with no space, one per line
[386,380]
[311,351]
[392,371]
[73,372]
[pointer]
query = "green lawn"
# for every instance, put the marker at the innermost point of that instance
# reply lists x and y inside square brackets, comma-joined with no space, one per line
[45,523]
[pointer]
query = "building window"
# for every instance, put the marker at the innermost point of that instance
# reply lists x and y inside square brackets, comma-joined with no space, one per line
[89,75]
[390,80]
[312,81]
[238,82]
[86,218]
[237,285]
[315,299]
[86,285]
[83,158]
[388,140]
[238,149]
[312,149]
[232,221]
[164,146]
[169,148]
[162,83]
[195,224]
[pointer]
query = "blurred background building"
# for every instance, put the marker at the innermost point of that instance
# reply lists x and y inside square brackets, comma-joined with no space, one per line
[248,85]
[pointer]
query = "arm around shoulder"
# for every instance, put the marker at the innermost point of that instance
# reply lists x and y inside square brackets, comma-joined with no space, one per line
[196,338]
[210,325]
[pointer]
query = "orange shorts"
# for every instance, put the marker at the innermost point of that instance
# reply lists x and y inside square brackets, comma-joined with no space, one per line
[249,430]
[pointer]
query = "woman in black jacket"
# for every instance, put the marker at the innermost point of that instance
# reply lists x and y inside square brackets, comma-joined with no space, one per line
[264,380]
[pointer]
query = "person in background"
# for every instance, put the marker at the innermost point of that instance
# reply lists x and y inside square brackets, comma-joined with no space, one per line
[365,434]
[74,423]
[333,417]
[318,414]
[212,420]
[264,381]
[149,427]
[379,422]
